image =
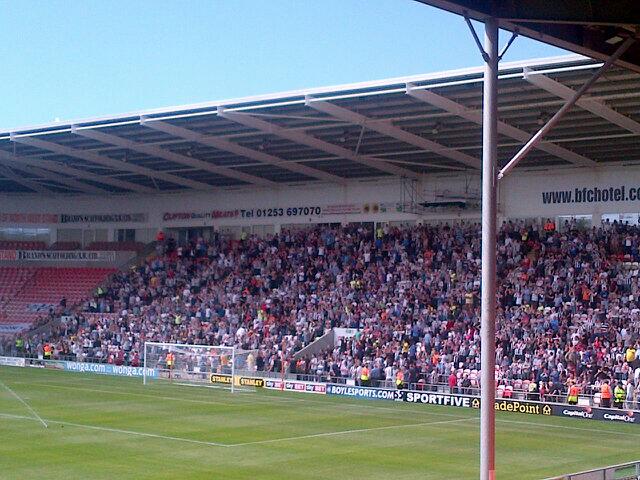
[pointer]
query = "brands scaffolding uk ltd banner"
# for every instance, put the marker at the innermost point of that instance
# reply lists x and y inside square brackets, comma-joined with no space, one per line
[103,218]
[57,256]
[45,218]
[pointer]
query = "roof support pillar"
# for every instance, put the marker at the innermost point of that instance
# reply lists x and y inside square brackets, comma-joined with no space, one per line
[489,220]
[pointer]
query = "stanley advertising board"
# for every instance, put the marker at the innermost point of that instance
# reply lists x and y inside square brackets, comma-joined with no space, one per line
[224,379]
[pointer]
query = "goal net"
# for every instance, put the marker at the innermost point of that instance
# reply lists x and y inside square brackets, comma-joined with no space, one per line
[204,365]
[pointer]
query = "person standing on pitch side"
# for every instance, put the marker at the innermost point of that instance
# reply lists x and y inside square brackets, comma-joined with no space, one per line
[605,394]
[619,394]
[574,392]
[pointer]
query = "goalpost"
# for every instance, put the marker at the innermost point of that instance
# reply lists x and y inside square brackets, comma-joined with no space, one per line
[197,365]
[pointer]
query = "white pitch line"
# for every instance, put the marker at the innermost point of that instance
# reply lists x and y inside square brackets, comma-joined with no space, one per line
[347,432]
[567,427]
[215,444]
[254,399]
[128,394]
[117,430]
[29,407]
[237,390]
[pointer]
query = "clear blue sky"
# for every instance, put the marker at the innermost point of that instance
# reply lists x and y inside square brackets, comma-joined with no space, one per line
[73,59]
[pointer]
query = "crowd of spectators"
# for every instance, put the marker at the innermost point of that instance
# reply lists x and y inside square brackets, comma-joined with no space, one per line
[568,305]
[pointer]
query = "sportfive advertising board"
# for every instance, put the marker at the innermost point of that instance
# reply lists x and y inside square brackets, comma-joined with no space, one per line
[435,398]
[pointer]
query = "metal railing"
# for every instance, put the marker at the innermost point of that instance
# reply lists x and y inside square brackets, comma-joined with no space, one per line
[623,471]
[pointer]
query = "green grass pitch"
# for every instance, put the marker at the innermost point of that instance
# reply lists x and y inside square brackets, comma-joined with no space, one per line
[103,427]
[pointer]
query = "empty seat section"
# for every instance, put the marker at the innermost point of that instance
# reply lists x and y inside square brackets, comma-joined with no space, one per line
[30,293]
[116,246]
[22,245]
[65,246]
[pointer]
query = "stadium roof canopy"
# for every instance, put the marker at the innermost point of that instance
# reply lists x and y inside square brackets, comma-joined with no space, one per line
[590,27]
[401,127]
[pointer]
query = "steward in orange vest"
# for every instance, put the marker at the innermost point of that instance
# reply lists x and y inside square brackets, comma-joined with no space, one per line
[572,398]
[605,395]
[170,360]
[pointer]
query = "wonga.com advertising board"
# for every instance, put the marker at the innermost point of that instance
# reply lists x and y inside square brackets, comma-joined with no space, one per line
[108,369]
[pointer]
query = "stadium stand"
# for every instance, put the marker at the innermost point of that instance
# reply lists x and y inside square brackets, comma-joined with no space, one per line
[65,246]
[116,246]
[30,294]
[568,305]
[12,280]
[22,245]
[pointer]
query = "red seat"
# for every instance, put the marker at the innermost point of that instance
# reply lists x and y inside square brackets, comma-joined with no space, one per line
[22,289]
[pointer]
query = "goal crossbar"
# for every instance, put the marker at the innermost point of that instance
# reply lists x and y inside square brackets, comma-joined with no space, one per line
[200,364]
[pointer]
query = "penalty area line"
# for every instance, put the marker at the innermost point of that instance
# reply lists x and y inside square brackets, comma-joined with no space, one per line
[29,407]
[223,445]
[347,432]
[118,430]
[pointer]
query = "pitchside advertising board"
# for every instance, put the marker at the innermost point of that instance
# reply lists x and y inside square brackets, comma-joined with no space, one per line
[295,386]
[408,396]
[269,383]
[238,381]
[501,405]
[99,368]
[12,361]
[593,413]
